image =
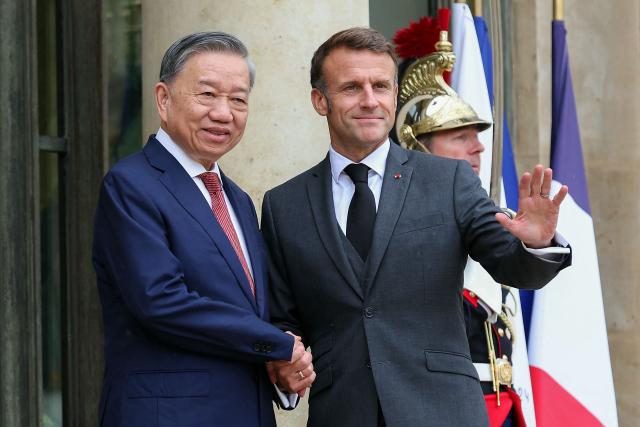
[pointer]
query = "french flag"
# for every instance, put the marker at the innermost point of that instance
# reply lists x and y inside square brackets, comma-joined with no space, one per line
[568,348]
[509,197]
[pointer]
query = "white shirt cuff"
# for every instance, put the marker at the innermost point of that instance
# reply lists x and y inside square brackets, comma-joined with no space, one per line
[553,253]
[287,401]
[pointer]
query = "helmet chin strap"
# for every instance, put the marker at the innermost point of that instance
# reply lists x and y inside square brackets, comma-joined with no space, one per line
[404,132]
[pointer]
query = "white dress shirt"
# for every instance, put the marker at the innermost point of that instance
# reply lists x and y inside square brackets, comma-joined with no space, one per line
[342,186]
[194,168]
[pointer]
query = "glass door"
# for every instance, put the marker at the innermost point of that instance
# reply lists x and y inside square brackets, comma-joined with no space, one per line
[52,149]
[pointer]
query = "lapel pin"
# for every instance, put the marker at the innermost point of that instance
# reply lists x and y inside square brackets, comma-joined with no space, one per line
[397,176]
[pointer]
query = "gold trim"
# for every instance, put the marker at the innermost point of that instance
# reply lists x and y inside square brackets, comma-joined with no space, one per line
[492,360]
[477,7]
[424,77]
[503,316]
[558,10]
[427,103]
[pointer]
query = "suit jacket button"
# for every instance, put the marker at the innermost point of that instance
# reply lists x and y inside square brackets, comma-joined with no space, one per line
[368,312]
[257,347]
[368,364]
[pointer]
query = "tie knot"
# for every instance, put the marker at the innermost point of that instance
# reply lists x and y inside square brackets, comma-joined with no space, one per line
[211,182]
[358,172]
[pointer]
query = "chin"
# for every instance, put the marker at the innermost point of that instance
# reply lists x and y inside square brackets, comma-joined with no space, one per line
[374,139]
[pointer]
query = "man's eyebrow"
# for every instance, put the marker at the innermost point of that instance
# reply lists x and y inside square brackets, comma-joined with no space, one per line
[212,83]
[385,81]
[347,83]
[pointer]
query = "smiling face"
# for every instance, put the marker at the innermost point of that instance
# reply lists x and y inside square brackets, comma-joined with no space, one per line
[359,100]
[461,143]
[205,107]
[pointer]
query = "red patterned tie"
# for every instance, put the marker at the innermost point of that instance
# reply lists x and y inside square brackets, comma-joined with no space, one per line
[219,208]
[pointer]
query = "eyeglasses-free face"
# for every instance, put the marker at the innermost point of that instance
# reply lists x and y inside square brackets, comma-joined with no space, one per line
[205,107]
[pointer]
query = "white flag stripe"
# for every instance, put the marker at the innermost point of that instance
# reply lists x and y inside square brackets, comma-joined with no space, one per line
[469,81]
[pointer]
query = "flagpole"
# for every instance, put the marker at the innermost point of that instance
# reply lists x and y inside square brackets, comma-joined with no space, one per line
[498,103]
[477,7]
[558,10]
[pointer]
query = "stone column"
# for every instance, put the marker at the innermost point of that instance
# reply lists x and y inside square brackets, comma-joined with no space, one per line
[285,135]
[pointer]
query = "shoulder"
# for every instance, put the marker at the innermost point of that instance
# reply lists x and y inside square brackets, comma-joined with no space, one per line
[299,182]
[427,160]
[433,168]
[133,175]
[130,170]
[130,165]
[144,165]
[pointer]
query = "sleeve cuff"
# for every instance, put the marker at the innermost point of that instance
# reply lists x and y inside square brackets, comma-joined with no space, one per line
[553,253]
[287,401]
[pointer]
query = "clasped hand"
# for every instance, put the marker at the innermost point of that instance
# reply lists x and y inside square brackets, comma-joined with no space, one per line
[295,375]
[537,217]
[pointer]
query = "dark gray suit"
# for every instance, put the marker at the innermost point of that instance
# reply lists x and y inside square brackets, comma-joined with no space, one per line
[390,330]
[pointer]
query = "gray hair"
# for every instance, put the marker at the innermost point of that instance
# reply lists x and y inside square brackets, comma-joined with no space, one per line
[209,41]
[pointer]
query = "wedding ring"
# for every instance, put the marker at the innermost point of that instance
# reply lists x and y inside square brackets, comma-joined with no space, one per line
[544,196]
[301,375]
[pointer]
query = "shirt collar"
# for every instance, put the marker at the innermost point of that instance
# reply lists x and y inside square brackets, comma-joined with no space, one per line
[192,167]
[377,160]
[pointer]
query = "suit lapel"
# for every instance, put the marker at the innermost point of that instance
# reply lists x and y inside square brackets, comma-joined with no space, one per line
[182,187]
[395,183]
[244,213]
[321,200]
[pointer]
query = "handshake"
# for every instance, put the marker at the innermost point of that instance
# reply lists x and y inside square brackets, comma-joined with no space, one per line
[296,375]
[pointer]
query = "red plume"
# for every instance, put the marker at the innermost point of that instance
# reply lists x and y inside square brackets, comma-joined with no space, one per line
[443,18]
[419,38]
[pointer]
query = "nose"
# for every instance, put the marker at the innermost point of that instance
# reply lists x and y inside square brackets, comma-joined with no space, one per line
[220,111]
[478,147]
[368,99]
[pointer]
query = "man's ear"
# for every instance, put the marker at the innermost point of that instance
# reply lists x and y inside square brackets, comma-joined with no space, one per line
[162,100]
[320,102]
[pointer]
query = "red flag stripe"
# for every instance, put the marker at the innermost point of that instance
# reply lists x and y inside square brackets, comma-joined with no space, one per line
[555,406]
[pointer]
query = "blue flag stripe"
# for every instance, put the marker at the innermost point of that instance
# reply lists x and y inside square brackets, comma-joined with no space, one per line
[566,151]
[509,174]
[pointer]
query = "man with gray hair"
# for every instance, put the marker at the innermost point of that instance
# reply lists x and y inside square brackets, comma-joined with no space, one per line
[180,262]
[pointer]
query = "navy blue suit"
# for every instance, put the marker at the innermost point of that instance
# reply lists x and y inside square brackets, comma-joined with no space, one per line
[185,340]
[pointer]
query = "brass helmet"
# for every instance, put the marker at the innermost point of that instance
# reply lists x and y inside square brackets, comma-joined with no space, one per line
[428,103]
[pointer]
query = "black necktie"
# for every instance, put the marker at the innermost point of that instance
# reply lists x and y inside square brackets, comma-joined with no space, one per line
[362,210]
